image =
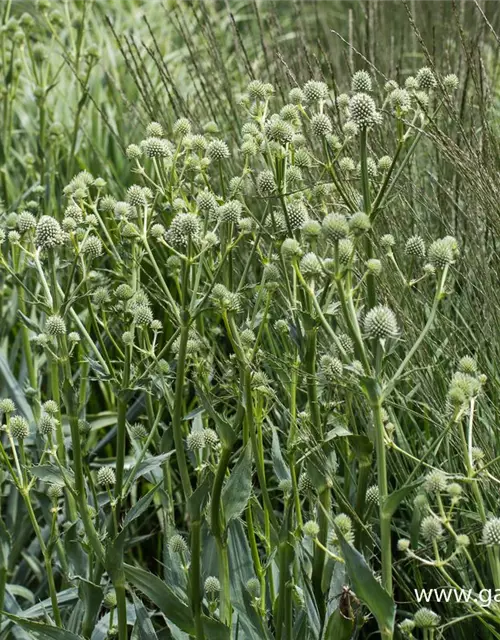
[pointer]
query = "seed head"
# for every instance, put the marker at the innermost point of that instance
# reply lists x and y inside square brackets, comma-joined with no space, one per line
[310,266]
[48,233]
[362,110]
[177,544]
[19,427]
[212,585]
[181,128]
[106,476]
[373,495]
[311,529]
[46,424]
[133,151]
[217,150]
[361,81]
[441,253]
[415,246]
[55,326]
[335,227]
[155,147]
[425,618]
[92,247]
[26,221]
[265,182]
[253,587]
[230,212]
[359,222]
[154,130]
[467,365]
[380,323]
[331,368]
[321,125]
[432,529]
[491,532]
[403,544]
[425,79]
[315,91]
[450,82]
[54,491]
[435,481]
[195,440]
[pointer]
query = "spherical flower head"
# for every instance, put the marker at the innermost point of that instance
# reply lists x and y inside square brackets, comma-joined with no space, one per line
[454,490]
[157,231]
[154,130]
[143,316]
[133,151]
[415,246]
[54,491]
[253,587]
[345,252]
[311,229]
[184,227]
[277,130]
[26,221]
[55,326]
[359,222]
[297,214]
[314,91]
[195,440]
[403,545]
[431,528]
[406,627]
[310,266]
[384,163]
[468,384]
[206,201]
[362,110]
[230,212]
[331,368]
[14,237]
[177,544]
[387,241]
[425,79]
[321,125]
[491,532]
[138,431]
[290,249]
[211,438]
[124,292]
[373,495]
[92,247]
[361,82]
[265,182]
[181,128]
[212,585]
[48,233]
[302,158]
[305,483]
[441,253]
[380,323]
[450,82]
[19,427]
[425,618]
[51,407]
[296,96]
[109,600]
[462,540]
[351,129]
[257,90]
[411,83]
[400,100]
[106,476]
[344,524]
[468,365]
[46,424]
[373,266]
[136,196]
[435,481]
[311,529]
[155,147]
[100,296]
[217,150]
[335,227]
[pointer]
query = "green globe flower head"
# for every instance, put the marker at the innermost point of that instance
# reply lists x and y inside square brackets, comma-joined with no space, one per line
[436,481]
[321,125]
[48,233]
[415,246]
[46,424]
[380,323]
[426,79]
[253,587]
[425,618]
[362,110]
[55,491]
[311,529]
[218,150]
[212,585]
[491,532]
[361,82]
[106,476]
[431,528]
[315,91]
[19,427]
[55,326]
[195,440]
[290,249]
[297,214]
[177,544]
[335,227]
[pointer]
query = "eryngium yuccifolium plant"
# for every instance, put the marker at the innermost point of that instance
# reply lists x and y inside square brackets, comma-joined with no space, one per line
[217,363]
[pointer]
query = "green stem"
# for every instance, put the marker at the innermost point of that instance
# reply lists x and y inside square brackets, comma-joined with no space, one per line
[195,577]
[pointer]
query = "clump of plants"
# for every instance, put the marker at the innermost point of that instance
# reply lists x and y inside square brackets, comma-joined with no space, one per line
[202,446]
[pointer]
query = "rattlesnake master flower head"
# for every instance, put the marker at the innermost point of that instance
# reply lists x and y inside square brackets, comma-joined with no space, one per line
[384,163]
[450,82]
[491,532]
[468,365]
[177,544]
[26,221]
[462,540]
[211,438]
[425,618]
[400,100]
[321,125]
[181,128]
[435,481]
[305,483]
[302,158]
[441,253]
[92,247]
[426,79]
[403,545]
[431,528]
[265,182]
[154,130]
[277,130]
[335,227]
[46,424]
[206,201]
[297,214]
[310,529]
[362,110]
[133,152]
[124,292]
[347,165]
[314,91]
[361,82]
[387,241]
[184,227]
[351,129]
[331,368]
[406,627]
[48,233]
[359,222]
[415,246]
[346,248]
[290,249]
[374,266]
[51,407]
[212,585]
[217,150]
[296,96]
[109,600]
[143,316]
[19,427]
[310,266]
[106,476]
[373,495]
[344,524]
[54,491]
[55,326]
[380,323]
[230,212]
[454,490]
[155,147]
[253,587]
[311,229]
[195,440]
[136,196]
[14,237]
